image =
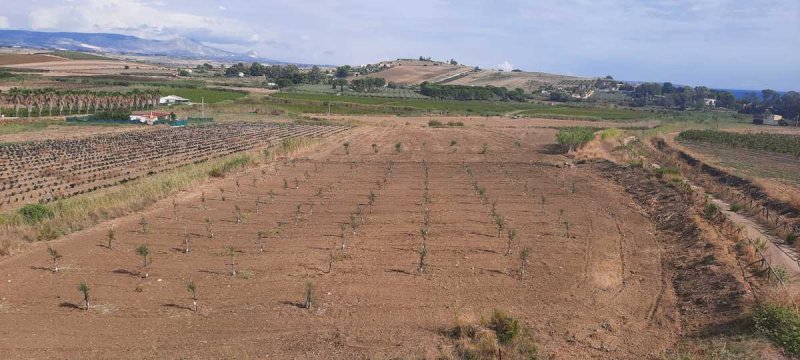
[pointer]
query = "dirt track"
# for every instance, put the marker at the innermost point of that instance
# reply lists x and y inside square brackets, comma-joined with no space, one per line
[598,293]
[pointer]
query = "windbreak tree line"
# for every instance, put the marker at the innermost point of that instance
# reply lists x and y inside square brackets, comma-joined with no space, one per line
[460,92]
[49,102]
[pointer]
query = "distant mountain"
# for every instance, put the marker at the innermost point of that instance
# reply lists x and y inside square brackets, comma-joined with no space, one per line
[120,44]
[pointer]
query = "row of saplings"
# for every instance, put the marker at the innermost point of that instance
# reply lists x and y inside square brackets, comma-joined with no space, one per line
[143,250]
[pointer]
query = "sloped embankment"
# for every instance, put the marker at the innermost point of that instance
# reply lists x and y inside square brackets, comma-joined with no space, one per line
[702,267]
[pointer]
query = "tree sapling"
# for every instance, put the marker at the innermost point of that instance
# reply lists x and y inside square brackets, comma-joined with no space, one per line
[53,255]
[84,289]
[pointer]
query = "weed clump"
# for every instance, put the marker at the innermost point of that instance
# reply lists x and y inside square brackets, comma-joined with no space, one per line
[779,324]
[499,336]
[35,213]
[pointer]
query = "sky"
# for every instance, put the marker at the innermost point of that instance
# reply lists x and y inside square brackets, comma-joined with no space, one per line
[736,44]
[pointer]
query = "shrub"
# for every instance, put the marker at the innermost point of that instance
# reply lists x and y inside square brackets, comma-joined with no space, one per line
[736,207]
[791,239]
[779,324]
[434,123]
[35,213]
[505,326]
[574,137]
[710,211]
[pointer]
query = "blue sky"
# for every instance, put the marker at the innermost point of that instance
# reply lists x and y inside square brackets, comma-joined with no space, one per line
[720,43]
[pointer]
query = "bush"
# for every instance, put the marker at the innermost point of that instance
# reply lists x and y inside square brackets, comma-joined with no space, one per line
[434,123]
[574,137]
[506,327]
[35,213]
[710,211]
[736,207]
[791,239]
[779,324]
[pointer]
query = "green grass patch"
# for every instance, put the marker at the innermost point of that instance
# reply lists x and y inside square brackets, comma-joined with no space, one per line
[574,137]
[35,213]
[777,143]
[779,324]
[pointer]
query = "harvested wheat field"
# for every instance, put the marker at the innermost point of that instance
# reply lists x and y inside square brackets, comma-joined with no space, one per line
[592,285]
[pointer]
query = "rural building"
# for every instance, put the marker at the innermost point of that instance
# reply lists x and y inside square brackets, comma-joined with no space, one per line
[150,117]
[710,102]
[173,99]
[767,119]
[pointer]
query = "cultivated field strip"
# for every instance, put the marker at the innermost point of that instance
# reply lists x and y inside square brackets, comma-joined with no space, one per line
[49,170]
[578,294]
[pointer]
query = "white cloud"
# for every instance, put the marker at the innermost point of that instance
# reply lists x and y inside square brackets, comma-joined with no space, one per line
[4,22]
[505,66]
[222,8]
[134,17]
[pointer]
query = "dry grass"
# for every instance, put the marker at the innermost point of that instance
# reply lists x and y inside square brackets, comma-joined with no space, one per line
[80,212]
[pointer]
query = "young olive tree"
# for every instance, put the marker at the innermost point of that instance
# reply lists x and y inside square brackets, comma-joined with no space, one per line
[192,289]
[185,241]
[84,289]
[144,226]
[346,148]
[423,253]
[523,257]
[230,251]
[209,230]
[512,235]
[500,222]
[110,237]
[143,251]
[309,302]
[54,255]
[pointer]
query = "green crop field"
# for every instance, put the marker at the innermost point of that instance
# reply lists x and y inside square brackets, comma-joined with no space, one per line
[317,102]
[381,93]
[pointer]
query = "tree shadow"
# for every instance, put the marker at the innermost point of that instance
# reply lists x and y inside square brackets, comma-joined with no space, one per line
[127,272]
[70,305]
[177,306]
[482,234]
[48,269]
[492,271]
[215,272]
[297,304]
[400,271]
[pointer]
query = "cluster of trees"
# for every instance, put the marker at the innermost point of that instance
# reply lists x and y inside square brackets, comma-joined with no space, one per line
[460,92]
[367,84]
[684,97]
[281,75]
[45,101]
[787,105]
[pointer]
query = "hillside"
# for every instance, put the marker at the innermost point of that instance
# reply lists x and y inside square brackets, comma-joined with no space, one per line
[410,72]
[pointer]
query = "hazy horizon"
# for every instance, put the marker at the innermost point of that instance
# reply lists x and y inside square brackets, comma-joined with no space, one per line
[730,44]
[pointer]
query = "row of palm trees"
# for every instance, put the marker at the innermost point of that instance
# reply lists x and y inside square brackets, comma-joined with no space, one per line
[75,101]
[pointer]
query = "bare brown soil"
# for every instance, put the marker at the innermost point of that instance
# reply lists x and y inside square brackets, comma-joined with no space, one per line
[529,81]
[417,72]
[17,59]
[91,67]
[482,121]
[601,292]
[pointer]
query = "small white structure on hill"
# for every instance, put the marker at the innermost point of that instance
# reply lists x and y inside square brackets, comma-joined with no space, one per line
[173,99]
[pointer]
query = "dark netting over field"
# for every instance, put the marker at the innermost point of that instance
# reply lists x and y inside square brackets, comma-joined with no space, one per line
[43,171]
